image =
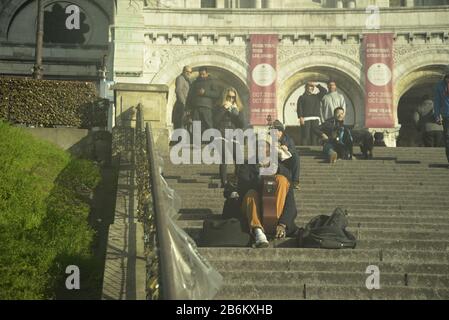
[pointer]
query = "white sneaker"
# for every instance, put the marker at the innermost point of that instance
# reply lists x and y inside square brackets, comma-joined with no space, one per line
[261,238]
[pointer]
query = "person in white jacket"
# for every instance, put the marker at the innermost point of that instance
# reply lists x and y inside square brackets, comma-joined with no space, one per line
[331,101]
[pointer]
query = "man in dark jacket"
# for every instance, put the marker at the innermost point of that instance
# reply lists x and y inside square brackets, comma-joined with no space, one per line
[309,113]
[441,109]
[249,186]
[202,98]
[337,137]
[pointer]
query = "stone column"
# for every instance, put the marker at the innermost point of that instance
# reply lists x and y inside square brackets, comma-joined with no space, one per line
[351,4]
[153,98]
[258,4]
[409,3]
[339,4]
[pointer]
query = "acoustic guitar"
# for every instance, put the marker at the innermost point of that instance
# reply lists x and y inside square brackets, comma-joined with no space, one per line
[269,218]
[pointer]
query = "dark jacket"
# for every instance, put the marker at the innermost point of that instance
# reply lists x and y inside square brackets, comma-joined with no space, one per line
[333,129]
[208,100]
[248,177]
[309,105]
[227,119]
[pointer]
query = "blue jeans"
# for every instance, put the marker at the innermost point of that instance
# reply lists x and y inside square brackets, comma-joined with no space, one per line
[343,151]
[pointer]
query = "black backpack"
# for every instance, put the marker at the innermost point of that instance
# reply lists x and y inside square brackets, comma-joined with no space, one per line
[328,232]
[223,233]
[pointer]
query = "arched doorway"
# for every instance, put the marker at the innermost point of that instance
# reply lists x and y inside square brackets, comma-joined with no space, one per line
[289,111]
[293,87]
[224,78]
[409,102]
[414,86]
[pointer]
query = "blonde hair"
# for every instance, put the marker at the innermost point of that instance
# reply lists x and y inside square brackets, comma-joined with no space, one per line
[238,102]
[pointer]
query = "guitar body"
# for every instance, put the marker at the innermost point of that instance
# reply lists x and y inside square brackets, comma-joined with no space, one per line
[269,218]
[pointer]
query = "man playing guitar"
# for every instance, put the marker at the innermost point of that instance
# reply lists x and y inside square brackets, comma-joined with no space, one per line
[254,206]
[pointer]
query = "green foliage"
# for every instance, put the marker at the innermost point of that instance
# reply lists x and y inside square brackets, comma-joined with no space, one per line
[44,207]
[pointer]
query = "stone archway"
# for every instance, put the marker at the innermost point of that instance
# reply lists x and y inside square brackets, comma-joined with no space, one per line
[410,91]
[321,66]
[227,72]
[347,86]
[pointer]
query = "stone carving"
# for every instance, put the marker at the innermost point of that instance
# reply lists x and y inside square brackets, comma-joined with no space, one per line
[402,53]
[156,58]
[348,53]
[135,5]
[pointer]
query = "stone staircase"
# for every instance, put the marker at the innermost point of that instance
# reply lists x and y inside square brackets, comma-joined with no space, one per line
[398,206]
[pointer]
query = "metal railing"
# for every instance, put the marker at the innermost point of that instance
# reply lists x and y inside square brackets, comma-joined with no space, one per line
[175,269]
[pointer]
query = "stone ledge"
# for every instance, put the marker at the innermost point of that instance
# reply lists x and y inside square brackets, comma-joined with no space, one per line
[140,87]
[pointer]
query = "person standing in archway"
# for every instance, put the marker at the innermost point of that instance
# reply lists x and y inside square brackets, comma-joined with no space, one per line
[308,109]
[332,101]
[441,108]
[432,133]
[181,90]
[202,98]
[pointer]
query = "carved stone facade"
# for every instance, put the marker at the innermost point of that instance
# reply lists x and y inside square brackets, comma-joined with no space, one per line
[150,41]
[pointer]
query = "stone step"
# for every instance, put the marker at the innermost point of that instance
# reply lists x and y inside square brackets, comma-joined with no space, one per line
[308,171]
[354,221]
[352,206]
[365,213]
[365,243]
[361,183]
[357,267]
[341,198]
[296,292]
[370,233]
[325,279]
[354,225]
[309,254]
[397,210]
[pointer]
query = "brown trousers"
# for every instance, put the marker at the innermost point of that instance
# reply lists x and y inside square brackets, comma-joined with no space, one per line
[252,204]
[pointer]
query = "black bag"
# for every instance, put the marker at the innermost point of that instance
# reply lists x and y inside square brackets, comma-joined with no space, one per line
[223,233]
[231,209]
[328,232]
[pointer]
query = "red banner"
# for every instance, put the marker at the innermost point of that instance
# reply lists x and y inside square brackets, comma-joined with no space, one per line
[379,111]
[263,75]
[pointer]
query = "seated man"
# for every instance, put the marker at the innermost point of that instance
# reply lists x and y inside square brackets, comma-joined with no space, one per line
[338,141]
[287,144]
[249,184]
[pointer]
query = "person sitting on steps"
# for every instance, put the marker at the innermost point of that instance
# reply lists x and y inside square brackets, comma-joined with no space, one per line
[249,184]
[338,141]
[287,144]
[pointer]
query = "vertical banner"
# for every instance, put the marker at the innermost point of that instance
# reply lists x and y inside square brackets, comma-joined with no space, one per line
[379,109]
[263,75]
